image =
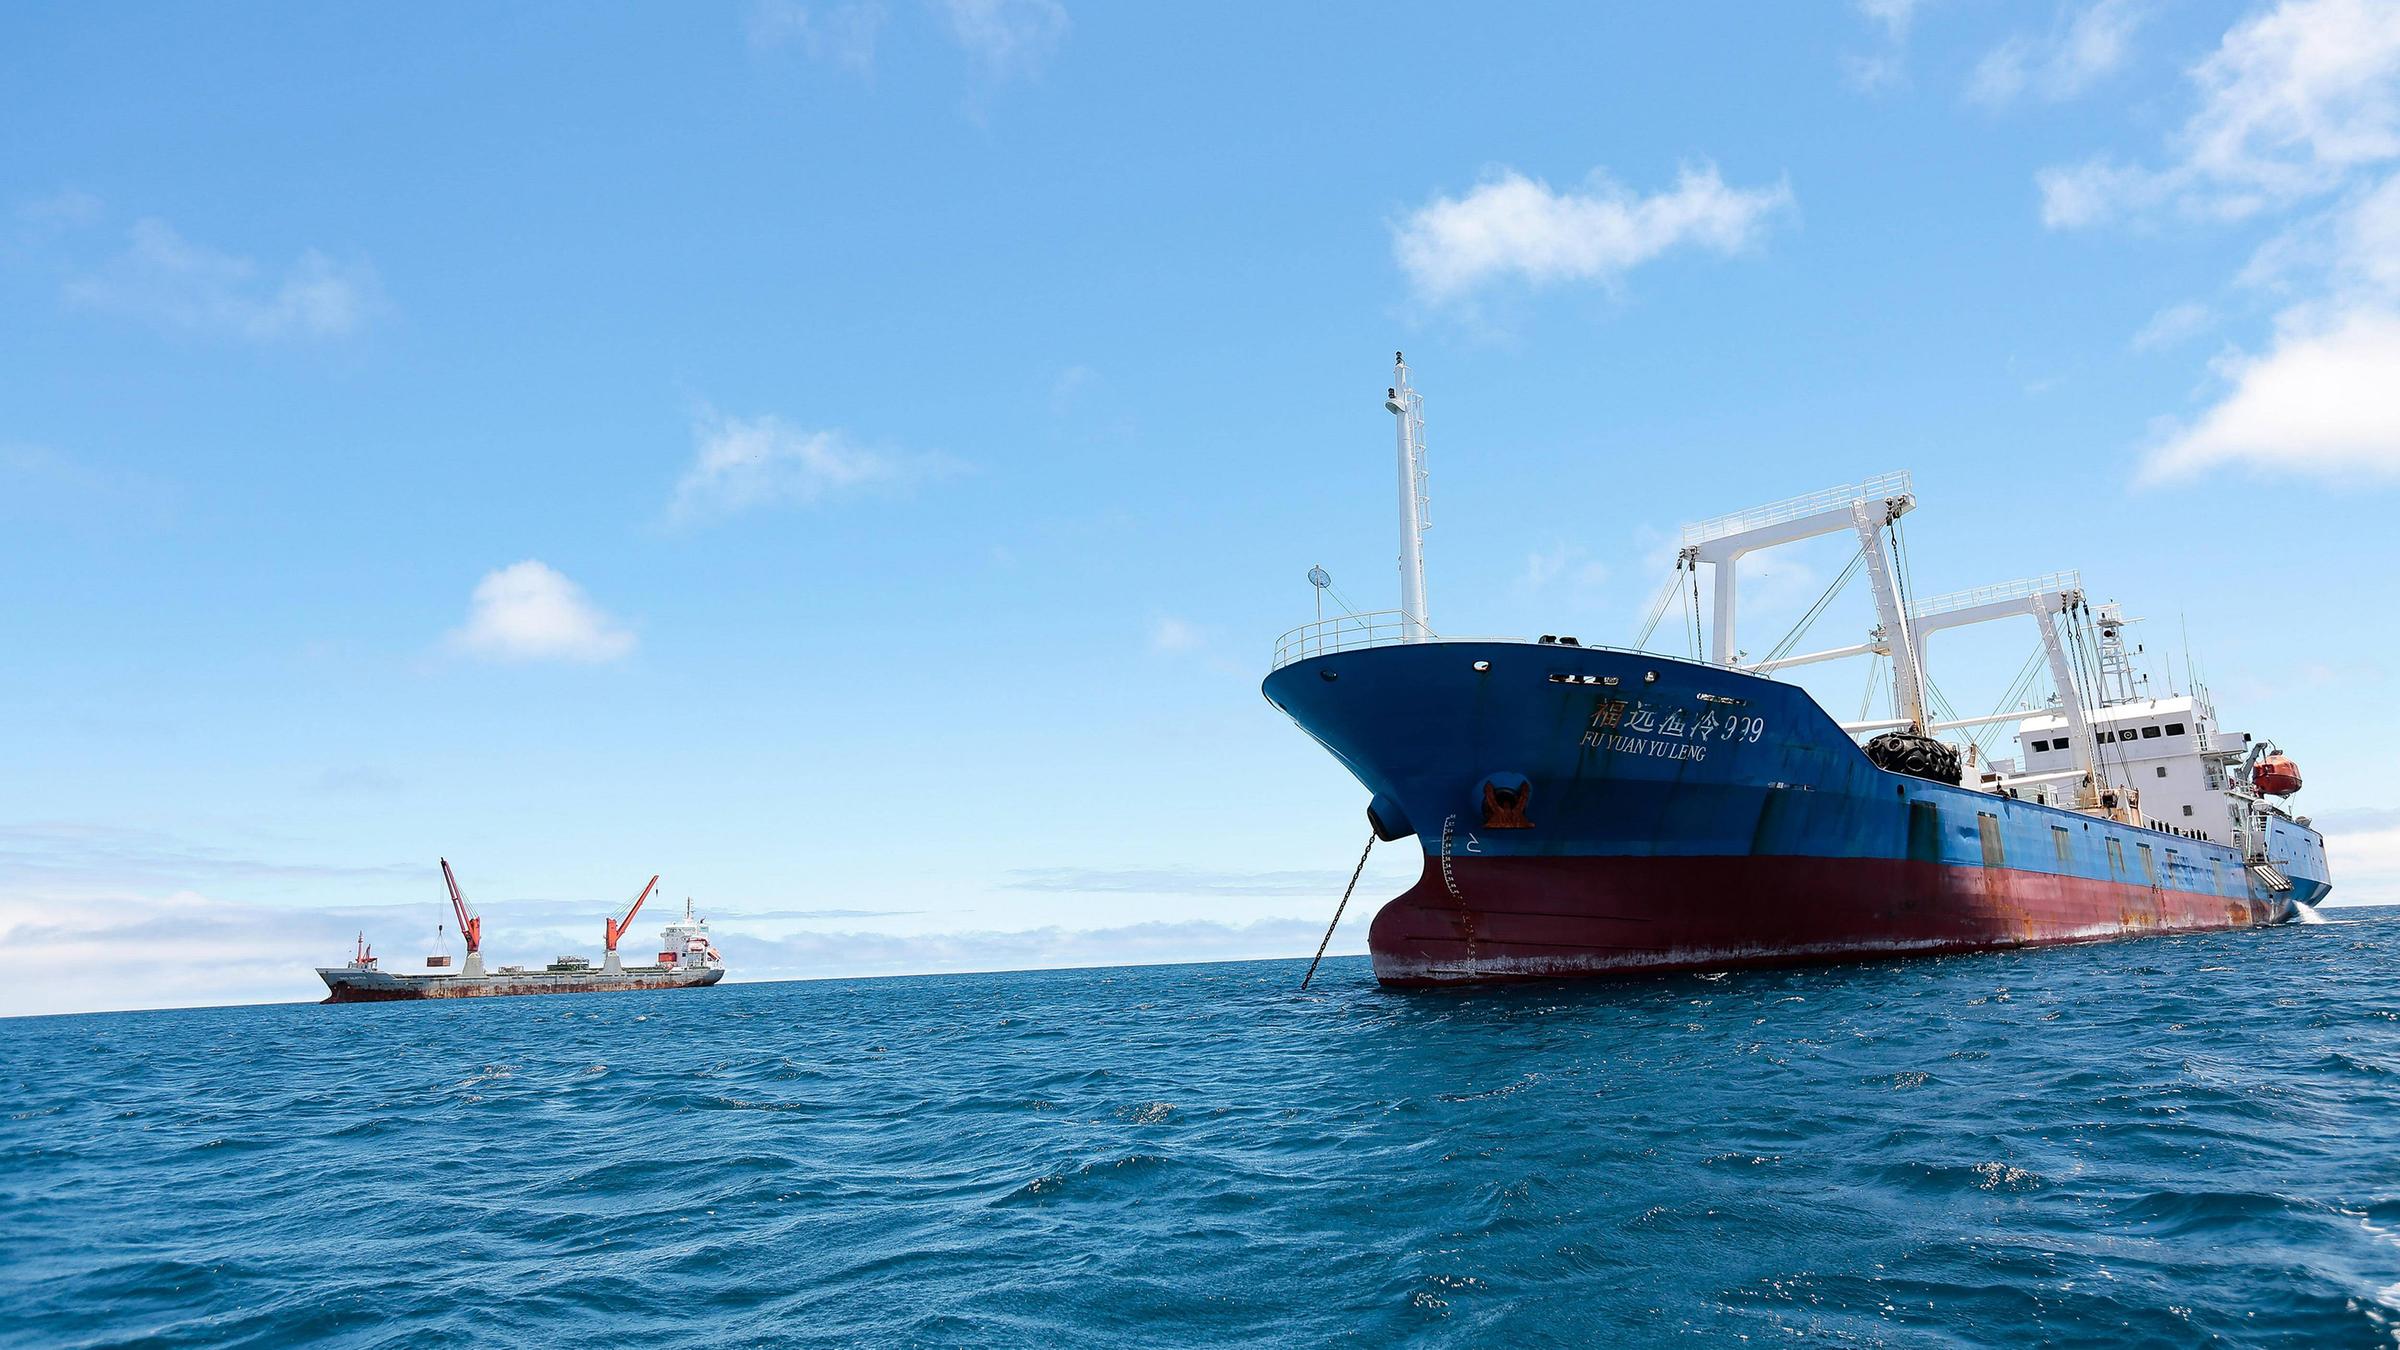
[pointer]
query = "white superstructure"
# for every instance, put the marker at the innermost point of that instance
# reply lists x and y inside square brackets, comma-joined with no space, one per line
[684,945]
[2169,749]
[2185,774]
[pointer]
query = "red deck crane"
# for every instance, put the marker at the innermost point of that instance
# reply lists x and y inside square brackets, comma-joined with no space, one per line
[617,927]
[470,924]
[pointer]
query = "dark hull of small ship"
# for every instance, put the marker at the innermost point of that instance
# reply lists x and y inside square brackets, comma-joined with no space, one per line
[375,986]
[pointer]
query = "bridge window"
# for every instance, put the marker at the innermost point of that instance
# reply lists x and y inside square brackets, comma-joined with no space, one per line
[2174,728]
[2149,733]
[2041,745]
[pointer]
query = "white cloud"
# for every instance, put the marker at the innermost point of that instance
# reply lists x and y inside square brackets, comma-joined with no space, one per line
[1170,634]
[168,280]
[2090,43]
[2299,102]
[2367,240]
[750,462]
[63,209]
[1562,564]
[844,34]
[2325,400]
[40,482]
[2365,861]
[1518,227]
[530,612]
[1887,66]
[1008,39]
[2001,74]
[2096,190]
[2299,93]
[76,856]
[1070,387]
[2173,325]
[1894,15]
[123,949]
[2349,249]
[2290,103]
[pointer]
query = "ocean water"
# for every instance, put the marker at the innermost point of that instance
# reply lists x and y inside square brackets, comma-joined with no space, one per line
[2162,1142]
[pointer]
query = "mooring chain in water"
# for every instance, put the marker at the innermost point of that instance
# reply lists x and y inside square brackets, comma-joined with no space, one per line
[1337,910]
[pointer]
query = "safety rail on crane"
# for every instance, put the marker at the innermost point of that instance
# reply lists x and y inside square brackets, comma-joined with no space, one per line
[1888,486]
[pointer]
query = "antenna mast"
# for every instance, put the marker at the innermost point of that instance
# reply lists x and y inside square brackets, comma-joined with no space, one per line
[2117,681]
[1408,409]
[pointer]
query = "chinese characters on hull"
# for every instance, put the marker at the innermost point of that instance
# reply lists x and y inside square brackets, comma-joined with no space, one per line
[1655,732]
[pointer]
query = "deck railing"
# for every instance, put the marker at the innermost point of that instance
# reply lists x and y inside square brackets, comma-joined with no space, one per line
[1348,632]
[1390,628]
[1879,488]
[2045,584]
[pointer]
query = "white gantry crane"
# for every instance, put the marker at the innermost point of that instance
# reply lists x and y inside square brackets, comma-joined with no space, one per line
[1868,509]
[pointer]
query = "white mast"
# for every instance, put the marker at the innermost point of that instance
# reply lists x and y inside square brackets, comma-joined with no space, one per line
[2118,683]
[1408,409]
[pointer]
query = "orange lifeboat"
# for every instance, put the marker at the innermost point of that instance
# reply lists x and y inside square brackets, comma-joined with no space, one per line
[2276,776]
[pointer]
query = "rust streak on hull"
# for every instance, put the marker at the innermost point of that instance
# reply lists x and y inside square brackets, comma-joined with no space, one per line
[1567,918]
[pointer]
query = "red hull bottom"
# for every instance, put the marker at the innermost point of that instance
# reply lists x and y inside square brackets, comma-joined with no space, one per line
[1569,918]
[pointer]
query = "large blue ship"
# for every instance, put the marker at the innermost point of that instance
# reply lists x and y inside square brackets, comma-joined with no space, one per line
[1585,810]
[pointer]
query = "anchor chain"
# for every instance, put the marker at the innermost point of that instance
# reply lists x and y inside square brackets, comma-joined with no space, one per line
[1337,910]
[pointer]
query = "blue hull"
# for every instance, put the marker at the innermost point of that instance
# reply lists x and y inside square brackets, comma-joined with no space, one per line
[1568,782]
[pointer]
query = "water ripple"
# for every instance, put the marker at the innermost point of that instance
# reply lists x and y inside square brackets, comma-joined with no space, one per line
[2154,1143]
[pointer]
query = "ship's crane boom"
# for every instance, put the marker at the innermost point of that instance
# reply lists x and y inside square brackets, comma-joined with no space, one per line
[617,927]
[469,922]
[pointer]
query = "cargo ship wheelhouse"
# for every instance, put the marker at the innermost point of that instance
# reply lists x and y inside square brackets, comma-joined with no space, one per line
[1585,810]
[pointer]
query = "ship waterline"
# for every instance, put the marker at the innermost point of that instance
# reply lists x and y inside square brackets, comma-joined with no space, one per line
[376,986]
[1585,810]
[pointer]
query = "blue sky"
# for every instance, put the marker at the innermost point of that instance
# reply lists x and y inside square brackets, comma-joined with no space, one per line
[854,458]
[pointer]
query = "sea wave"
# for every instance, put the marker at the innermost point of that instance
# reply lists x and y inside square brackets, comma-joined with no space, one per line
[2154,1142]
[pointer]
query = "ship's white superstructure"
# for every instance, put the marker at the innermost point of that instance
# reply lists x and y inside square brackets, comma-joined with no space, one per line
[684,944]
[2168,749]
[2180,771]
